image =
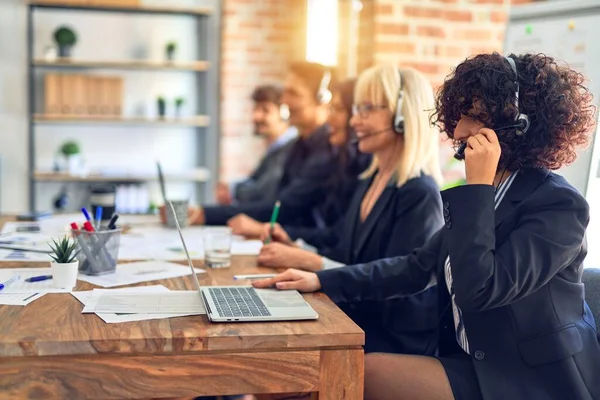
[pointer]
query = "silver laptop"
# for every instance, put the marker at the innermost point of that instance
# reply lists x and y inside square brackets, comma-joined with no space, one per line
[245,303]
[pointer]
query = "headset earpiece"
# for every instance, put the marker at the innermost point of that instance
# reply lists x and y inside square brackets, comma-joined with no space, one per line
[284,112]
[521,119]
[398,119]
[324,94]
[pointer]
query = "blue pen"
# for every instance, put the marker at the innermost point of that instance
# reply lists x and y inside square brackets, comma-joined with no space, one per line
[38,278]
[11,280]
[98,217]
[86,215]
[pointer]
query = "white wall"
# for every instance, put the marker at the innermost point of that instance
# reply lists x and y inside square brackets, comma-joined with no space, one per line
[101,36]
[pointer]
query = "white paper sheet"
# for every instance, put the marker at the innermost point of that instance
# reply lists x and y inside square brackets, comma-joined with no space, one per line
[114,318]
[19,299]
[143,271]
[174,302]
[20,286]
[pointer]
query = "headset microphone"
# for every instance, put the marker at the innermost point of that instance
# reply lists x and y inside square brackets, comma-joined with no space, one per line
[460,152]
[358,139]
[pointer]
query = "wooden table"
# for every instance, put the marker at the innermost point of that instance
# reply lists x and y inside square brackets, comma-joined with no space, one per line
[49,350]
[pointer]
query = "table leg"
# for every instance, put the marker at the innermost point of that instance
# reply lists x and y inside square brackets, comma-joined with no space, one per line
[342,375]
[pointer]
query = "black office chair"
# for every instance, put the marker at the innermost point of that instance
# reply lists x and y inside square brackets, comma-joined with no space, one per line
[591,280]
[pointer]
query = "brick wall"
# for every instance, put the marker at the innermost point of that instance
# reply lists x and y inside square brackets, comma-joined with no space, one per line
[433,35]
[259,39]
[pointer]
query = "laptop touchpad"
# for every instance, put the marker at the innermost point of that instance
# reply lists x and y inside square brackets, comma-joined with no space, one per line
[281,298]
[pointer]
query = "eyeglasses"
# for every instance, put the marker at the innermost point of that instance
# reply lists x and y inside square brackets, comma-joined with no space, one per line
[363,110]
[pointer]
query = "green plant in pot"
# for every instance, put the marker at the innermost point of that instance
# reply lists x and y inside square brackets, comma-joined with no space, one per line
[179,102]
[65,264]
[162,107]
[71,151]
[170,49]
[65,39]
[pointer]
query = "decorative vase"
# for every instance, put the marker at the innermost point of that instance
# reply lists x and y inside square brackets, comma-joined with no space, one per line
[64,50]
[64,275]
[74,164]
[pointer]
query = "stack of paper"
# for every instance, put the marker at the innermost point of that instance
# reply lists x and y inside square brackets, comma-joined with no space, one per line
[140,303]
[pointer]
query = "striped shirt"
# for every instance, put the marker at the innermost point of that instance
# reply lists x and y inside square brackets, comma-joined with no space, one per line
[459,327]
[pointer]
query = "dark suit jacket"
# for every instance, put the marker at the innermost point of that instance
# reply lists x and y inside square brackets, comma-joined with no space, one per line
[517,279]
[301,189]
[263,183]
[402,219]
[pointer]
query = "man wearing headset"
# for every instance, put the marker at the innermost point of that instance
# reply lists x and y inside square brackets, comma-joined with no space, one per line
[310,162]
[270,121]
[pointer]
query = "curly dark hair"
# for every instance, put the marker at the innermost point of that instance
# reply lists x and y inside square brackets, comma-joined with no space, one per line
[553,96]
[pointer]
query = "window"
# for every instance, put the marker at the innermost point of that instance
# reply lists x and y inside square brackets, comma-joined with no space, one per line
[322,32]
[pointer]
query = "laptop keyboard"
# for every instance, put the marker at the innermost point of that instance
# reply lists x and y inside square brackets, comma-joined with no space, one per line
[238,302]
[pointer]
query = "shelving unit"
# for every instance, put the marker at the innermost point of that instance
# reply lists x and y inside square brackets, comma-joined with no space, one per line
[199,175]
[66,119]
[159,65]
[165,10]
[205,122]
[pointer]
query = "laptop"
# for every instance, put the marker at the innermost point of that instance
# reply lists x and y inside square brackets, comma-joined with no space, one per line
[245,303]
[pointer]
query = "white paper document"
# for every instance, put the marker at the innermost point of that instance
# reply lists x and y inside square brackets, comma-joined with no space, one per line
[143,271]
[19,299]
[21,286]
[174,302]
[117,318]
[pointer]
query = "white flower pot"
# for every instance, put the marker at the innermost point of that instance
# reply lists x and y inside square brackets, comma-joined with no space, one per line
[74,164]
[64,276]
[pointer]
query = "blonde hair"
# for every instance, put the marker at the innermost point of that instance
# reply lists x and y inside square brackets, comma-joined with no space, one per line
[420,152]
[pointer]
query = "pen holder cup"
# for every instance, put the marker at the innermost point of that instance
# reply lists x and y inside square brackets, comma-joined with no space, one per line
[98,251]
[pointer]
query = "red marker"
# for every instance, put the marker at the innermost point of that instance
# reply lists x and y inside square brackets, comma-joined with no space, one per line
[88,226]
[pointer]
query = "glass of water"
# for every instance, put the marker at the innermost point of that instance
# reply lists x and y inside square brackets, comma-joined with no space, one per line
[217,247]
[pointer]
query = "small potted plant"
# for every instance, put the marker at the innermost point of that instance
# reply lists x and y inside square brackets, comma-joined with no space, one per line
[179,102]
[65,265]
[170,49]
[65,39]
[70,150]
[162,107]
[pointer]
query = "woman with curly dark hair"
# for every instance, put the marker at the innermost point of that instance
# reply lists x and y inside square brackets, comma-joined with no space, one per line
[513,320]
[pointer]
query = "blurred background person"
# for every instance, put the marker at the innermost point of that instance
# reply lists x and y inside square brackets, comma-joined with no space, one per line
[270,121]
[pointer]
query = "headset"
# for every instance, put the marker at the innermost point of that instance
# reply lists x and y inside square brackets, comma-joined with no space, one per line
[522,120]
[398,119]
[284,112]
[324,94]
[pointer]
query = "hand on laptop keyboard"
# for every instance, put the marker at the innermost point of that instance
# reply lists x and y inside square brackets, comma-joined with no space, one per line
[301,281]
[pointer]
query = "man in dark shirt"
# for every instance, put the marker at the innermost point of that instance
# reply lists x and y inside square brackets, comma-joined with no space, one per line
[269,118]
[311,159]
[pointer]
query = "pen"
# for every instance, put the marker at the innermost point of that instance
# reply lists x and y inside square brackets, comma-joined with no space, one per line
[113,221]
[255,276]
[86,215]
[11,280]
[273,220]
[98,217]
[38,278]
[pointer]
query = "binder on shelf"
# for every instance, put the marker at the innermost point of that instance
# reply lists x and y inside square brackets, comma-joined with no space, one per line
[52,95]
[66,94]
[79,88]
